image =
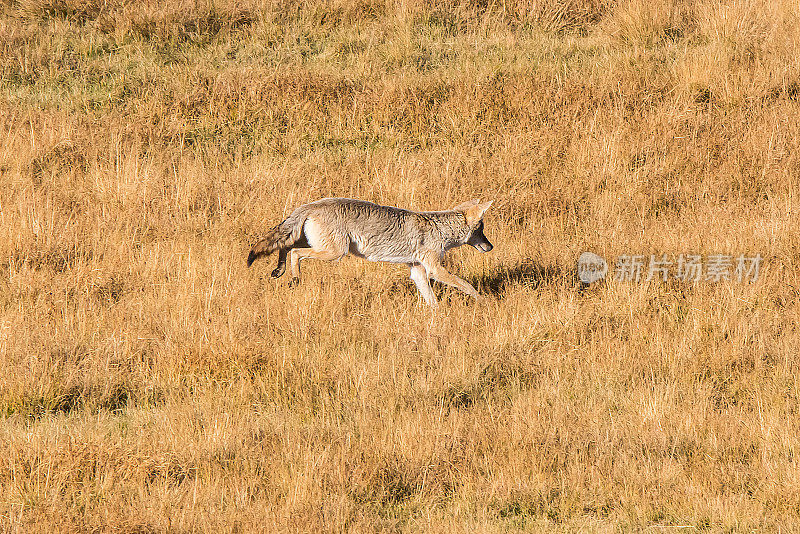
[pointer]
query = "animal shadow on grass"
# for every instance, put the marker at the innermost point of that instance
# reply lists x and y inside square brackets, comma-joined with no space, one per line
[529,274]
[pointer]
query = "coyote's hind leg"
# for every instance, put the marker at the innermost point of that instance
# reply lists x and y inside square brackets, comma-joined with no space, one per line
[297,254]
[281,268]
[323,244]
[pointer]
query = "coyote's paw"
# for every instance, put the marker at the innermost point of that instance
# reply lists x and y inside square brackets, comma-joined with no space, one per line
[278,272]
[293,282]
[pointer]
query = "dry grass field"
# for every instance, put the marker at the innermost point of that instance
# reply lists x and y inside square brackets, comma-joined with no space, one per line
[151,382]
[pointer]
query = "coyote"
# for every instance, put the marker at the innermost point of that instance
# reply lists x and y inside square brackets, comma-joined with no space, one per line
[330,228]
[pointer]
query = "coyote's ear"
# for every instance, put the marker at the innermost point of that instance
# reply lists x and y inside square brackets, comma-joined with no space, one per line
[464,206]
[475,213]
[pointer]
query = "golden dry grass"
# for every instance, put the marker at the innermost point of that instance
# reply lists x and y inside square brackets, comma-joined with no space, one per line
[150,382]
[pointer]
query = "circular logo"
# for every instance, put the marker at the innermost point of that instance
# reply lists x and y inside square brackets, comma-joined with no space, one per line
[591,267]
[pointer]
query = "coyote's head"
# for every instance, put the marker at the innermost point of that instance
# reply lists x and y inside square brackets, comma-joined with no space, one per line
[473,211]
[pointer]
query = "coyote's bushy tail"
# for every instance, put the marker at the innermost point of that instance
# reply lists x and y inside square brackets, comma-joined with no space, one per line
[280,237]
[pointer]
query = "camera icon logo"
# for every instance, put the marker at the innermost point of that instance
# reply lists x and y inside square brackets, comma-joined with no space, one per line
[591,268]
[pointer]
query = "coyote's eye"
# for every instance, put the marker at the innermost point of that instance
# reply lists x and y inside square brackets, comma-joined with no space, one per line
[479,226]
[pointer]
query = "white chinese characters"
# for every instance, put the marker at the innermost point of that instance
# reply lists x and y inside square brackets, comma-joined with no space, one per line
[663,267]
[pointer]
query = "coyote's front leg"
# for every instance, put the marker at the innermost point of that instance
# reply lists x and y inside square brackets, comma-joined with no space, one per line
[420,278]
[436,270]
